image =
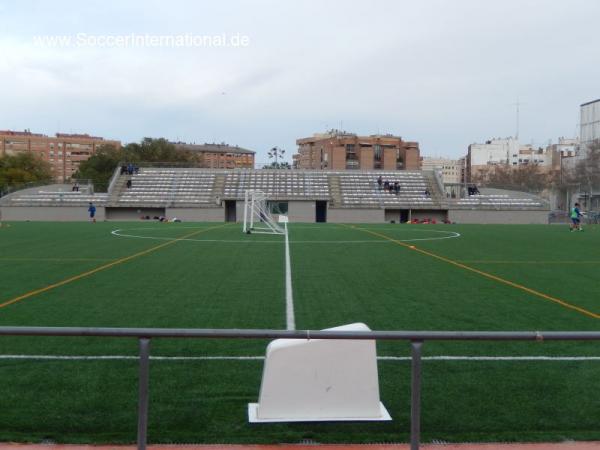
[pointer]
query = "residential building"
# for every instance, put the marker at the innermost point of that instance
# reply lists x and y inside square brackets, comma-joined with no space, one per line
[450,169]
[590,122]
[340,150]
[64,152]
[220,156]
[481,158]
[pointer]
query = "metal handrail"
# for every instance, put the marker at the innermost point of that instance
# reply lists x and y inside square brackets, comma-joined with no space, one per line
[416,339]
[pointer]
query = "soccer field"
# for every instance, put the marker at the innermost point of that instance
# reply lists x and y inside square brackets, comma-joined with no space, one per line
[391,277]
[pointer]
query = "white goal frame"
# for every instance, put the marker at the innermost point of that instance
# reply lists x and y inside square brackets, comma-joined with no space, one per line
[257,217]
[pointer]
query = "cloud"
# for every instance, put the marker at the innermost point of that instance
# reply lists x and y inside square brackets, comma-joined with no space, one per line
[444,74]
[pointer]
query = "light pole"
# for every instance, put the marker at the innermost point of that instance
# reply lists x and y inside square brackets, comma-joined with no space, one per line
[276,153]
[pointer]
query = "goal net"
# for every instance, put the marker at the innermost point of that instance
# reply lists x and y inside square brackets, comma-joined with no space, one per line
[257,216]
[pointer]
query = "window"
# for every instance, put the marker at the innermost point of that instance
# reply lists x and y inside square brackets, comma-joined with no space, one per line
[351,158]
[378,157]
[399,159]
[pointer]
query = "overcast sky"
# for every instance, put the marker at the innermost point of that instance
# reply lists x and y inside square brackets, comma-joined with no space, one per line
[443,73]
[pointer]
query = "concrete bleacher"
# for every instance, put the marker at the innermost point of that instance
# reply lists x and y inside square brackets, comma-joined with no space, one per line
[205,188]
[54,195]
[278,184]
[173,186]
[360,189]
[499,201]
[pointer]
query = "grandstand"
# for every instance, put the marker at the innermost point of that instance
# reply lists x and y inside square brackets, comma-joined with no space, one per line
[194,194]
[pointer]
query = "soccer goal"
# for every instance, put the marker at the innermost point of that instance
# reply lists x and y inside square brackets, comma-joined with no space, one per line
[257,216]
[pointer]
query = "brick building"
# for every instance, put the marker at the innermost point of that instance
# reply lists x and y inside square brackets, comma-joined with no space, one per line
[220,156]
[64,152]
[339,150]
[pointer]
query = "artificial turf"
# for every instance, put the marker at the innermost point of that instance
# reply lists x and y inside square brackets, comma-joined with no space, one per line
[217,277]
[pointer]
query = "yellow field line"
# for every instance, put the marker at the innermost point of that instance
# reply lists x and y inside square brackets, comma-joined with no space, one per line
[485,274]
[104,267]
[483,261]
[55,259]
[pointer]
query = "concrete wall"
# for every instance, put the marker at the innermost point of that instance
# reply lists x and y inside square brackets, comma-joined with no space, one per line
[492,216]
[49,213]
[216,214]
[299,211]
[339,215]
[437,214]
[133,213]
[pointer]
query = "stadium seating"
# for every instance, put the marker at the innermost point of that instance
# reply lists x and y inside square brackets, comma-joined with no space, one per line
[197,188]
[171,186]
[498,201]
[277,184]
[55,198]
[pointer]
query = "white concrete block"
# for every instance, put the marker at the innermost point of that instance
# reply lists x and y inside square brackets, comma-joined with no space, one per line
[320,380]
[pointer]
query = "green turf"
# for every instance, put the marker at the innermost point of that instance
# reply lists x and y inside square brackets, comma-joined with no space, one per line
[218,277]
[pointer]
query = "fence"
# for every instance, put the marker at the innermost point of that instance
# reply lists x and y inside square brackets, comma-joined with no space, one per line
[416,339]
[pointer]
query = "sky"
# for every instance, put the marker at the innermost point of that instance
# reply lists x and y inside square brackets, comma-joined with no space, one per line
[442,73]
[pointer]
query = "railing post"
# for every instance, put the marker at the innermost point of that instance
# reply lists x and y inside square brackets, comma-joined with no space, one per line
[415,397]
[143,380]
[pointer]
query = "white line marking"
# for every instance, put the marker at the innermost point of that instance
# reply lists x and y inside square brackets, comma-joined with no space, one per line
[119,232]
[493,358]
[289,298]
[260,358]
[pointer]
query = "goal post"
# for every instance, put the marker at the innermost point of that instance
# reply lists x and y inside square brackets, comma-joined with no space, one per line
[257,216]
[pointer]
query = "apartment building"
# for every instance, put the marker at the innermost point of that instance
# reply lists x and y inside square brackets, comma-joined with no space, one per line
[450,169]
[340,150]
[220,156]
[481,158]
[64,152]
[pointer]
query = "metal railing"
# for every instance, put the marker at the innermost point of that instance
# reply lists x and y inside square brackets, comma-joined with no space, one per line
[416,339]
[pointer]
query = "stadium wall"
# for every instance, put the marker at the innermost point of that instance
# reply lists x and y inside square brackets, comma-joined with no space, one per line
[132,213]
[299,211]
[355,215]
[437,214]
[216,214]
[498,217]
[50,213]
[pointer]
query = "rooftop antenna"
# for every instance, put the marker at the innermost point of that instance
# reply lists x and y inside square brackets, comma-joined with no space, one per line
[518,106]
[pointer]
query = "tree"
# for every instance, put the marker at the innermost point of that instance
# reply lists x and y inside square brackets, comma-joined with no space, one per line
[23,168]
[529,177]
[586,172]
[156,150]
[100,166]
[278,165]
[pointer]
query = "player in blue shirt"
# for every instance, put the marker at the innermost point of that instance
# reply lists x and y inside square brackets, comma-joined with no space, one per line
[92,211]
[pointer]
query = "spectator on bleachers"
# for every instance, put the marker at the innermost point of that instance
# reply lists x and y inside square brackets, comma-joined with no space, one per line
[123,169]
[380,182]
[75,187]
[386,185]
[396,187]
[128,184]
[130,169]
[472,190]
[427,193]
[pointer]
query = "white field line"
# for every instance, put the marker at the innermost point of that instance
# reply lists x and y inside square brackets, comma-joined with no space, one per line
[260,358]
[120,232]
[289,298]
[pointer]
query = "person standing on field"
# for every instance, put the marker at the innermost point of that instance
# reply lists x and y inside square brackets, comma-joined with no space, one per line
[576,218]
[92,211]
